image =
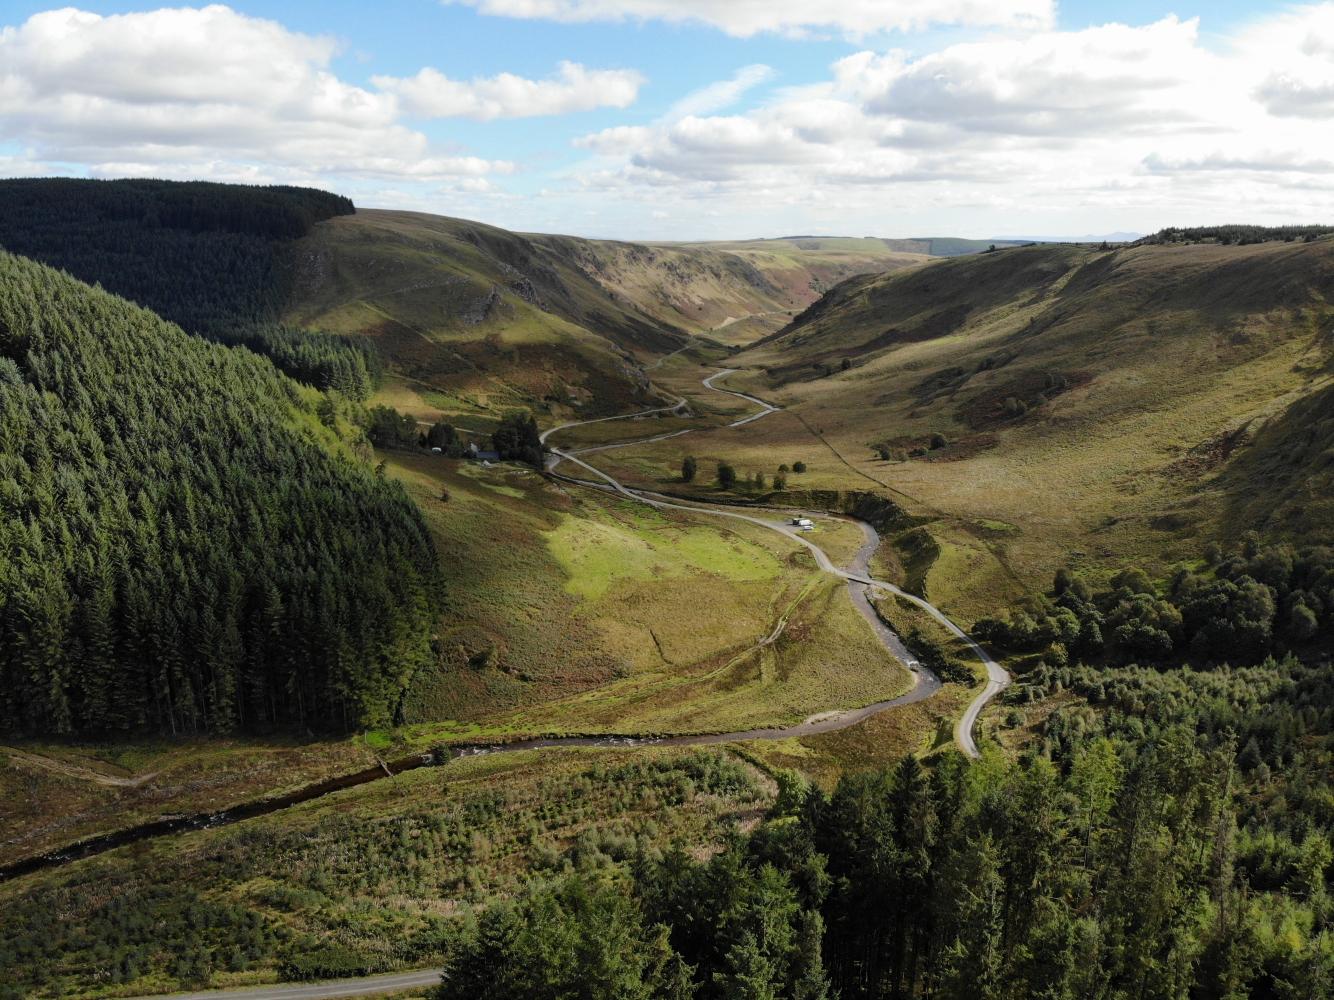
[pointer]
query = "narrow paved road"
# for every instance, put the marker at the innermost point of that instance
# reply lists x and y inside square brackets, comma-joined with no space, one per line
[857,574]
[765,408]
[861,585]
[368,986]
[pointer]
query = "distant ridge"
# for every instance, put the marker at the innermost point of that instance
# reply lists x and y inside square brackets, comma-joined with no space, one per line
[1119,237]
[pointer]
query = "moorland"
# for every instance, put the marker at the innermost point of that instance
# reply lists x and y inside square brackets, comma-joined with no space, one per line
[247,548]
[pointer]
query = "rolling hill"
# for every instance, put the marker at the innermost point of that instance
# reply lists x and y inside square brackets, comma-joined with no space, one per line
[472,319]
[1048,405]
[466,320]
[733,292]
[1131,403]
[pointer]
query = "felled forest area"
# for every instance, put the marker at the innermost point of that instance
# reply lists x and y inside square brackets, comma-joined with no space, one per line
[184,546]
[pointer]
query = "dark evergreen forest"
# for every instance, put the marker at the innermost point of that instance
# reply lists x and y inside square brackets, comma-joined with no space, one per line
[211,258]
[178,549]
[1238,234]
[1173,844]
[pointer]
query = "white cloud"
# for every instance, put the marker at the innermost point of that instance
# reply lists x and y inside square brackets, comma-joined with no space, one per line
[1115,126]
[215,93]
[617,139]
[1054,83]
[1300,44]
[722,94]
[431,94]
[744,18]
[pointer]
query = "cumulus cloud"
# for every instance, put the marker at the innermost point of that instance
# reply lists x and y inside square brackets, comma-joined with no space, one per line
[1131,125]
[431,94]
[1056,83]
[744,18]
[212,92]
[144,87]
[1134,120]
[1301,45]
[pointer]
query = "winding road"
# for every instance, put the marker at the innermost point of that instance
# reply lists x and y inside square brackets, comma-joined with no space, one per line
[389,982]
[860,584]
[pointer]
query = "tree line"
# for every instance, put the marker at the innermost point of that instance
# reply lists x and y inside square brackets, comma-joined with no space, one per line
[1239,608]
[211,258]
[727,478]
[1105,864]
[178,548]
[515,439]
[1237,234]
[1164,835]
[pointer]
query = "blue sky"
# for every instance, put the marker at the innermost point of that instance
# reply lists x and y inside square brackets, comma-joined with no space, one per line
[978,118]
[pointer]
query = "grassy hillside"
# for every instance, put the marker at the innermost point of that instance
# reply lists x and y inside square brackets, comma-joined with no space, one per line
[733,292]
[473,320]
[183,544]
[1049,404]
[1110,403]
[571,611]
[469,319]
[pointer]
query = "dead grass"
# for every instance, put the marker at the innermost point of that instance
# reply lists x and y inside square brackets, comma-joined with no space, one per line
[53,805]
[1157,367]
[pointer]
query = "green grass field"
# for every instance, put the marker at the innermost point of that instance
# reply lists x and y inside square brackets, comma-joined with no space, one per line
[620,618]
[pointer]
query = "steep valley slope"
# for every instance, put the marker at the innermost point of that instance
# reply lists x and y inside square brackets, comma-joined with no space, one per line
[1067,404]
[472,319]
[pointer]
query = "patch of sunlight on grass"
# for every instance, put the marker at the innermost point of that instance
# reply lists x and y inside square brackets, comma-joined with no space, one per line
[598,554]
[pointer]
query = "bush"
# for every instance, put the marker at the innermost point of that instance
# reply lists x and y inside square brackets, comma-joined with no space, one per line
[330,961]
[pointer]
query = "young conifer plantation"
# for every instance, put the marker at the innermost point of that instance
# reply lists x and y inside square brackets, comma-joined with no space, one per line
[180,550]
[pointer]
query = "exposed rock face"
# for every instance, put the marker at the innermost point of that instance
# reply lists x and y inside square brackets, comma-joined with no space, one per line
[481,309]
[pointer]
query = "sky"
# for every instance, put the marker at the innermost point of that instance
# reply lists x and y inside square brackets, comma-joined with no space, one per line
[700,119]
